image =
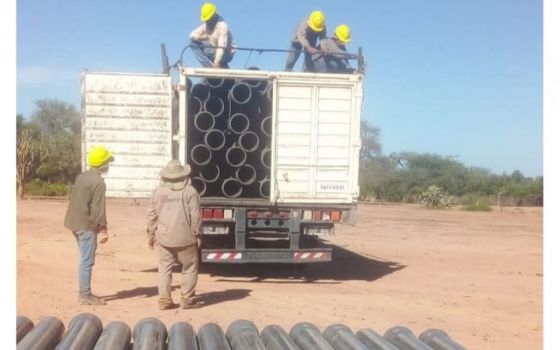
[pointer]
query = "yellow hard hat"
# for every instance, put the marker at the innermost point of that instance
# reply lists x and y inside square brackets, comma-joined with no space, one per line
[342,32]
[316,21]
[207,11]
[98,156]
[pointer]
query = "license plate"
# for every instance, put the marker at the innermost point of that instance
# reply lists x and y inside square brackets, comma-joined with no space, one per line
[215,229]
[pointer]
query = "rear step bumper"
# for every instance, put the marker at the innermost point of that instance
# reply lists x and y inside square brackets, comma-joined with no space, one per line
[240,256]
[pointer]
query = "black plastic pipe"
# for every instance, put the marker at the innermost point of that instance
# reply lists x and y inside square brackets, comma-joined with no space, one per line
[249,141]
[244,335]
[341,337]
[199,185]
[201,91]
[215,139]
[83,332]
[264,187]
[240,93]
[214,105]
[182,337]
[44,336]
[210,172]
[439,340]
[115,336]
[373,341]
[211,337]
[308,337]
[204,121]
[246,174]
[23,326]
[232,188]
[238,123]
[236,156]
[275,338]
[404,339]
[149,334]
[266,126]
[201,154]
[265,157]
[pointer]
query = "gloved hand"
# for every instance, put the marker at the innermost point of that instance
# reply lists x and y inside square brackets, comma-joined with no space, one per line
[152,242]
[312,50]
[103,236]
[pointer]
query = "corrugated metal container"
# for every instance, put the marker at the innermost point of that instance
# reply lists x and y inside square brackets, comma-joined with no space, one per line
[130,114]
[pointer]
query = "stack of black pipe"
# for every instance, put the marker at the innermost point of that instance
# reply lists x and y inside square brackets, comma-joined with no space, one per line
[229,128]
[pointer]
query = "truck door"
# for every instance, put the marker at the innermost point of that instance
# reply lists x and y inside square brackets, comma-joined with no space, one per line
[131,115]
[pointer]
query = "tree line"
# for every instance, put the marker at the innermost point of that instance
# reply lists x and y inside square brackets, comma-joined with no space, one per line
[49,152]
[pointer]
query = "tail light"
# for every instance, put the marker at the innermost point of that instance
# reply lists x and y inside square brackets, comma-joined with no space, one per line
[207,213]
[268,214]
[335,215]
[316,215]
[253,214]
[307,215]
[218,213]
[283,214]
[326,216]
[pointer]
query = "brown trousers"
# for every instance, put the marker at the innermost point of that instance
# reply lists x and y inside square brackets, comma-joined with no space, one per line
[188,258]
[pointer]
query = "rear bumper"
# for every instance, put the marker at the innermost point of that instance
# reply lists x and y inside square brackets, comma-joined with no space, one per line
[241,256]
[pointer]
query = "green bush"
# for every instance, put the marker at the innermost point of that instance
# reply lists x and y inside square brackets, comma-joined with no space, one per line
[477,203]
[43,188]
[435,197]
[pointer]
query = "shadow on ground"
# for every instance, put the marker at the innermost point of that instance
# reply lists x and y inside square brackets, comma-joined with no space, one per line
[209,298]
[345,266]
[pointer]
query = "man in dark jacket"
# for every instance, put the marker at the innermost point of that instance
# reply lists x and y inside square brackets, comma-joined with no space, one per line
[86,218]
[174,223]
[305,37]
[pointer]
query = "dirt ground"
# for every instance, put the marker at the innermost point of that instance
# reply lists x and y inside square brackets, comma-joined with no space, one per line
[476,275]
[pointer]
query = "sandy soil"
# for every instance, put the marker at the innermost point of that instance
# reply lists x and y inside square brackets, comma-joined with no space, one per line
[478,276]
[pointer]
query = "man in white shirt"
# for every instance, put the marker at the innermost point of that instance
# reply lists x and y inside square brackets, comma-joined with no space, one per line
[212,42]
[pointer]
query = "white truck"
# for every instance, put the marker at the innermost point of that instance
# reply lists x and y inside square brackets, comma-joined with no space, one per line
[273,175]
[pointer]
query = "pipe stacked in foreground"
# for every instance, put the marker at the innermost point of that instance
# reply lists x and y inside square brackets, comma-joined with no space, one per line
[86,332]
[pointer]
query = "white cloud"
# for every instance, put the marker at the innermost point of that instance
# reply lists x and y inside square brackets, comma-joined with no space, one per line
[40,76]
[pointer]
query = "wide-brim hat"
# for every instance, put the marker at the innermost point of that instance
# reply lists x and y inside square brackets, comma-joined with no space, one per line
[174,170]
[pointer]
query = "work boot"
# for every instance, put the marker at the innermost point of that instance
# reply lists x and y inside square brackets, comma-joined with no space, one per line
[191,304]
[91,300]
[166,304]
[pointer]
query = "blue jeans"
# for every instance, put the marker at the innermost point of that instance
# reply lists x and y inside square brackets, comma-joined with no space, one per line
[205,54]
[87,243]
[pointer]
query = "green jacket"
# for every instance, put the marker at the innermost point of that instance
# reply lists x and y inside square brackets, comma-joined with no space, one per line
[86,210]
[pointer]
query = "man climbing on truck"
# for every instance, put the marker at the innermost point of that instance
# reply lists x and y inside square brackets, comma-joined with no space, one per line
[212,42]
[305,37]
[333,55]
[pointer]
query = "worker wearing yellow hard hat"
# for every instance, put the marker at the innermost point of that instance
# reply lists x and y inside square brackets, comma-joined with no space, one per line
[333,57]
[87,220]
[306,37]
[212,42]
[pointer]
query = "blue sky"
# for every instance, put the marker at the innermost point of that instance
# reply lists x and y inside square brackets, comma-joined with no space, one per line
[459,78]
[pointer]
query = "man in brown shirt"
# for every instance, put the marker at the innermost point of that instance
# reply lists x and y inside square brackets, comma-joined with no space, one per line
[174,223]
[86,218]
[305,38]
